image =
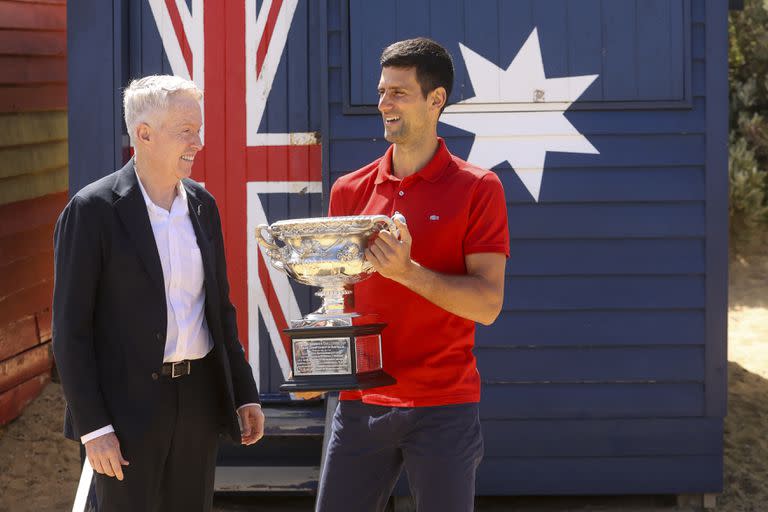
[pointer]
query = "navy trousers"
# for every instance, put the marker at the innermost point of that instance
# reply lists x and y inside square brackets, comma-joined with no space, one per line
[440,448]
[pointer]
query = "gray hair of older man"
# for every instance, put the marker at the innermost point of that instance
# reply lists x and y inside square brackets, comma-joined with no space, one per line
[146,96]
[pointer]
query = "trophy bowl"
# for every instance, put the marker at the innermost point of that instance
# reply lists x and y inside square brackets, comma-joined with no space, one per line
[330,349]
[327,252]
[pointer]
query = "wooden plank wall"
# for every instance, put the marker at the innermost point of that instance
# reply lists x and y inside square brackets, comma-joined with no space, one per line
[33,190]
[647,32]
[608,354]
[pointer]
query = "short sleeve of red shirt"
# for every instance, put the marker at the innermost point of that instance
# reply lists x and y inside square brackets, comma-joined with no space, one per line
[335,208]
[487,227]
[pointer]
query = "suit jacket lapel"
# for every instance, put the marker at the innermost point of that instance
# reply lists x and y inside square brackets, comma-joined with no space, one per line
[133,213]
[197,211]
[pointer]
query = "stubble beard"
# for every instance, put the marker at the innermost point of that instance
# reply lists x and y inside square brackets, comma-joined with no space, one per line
[396,136]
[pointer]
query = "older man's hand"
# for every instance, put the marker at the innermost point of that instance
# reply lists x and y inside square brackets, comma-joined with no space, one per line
[105,456]
[251,424]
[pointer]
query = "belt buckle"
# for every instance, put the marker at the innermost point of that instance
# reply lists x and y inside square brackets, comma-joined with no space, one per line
[182,365]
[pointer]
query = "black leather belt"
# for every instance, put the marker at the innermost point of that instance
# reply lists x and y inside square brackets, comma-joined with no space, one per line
[177,369]
[180,368]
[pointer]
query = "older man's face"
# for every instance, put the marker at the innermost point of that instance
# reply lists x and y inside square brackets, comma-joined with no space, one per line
[178,135]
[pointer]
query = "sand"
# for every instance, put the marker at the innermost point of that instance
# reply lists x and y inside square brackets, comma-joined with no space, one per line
[39,469]
[746,426]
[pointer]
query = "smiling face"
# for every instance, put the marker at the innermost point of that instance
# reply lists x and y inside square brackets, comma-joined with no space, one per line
[171,139]
[407,115]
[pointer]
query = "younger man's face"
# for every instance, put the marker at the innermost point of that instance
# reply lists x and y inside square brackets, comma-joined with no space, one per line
[404,109]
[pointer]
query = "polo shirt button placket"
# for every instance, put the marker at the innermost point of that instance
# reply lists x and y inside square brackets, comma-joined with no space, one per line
[401,193]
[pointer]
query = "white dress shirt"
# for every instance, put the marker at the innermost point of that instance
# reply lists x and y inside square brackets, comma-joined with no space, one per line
[187,335]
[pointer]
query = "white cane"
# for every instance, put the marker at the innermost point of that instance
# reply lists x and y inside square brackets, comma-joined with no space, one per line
[83,488]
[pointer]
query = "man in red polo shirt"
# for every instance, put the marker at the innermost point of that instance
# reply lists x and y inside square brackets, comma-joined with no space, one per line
[443,274]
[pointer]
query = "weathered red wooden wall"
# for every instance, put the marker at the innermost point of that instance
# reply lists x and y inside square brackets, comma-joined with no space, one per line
[33,190]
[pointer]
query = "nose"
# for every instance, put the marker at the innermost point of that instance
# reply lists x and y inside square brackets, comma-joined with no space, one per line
[385,103]
[197,142]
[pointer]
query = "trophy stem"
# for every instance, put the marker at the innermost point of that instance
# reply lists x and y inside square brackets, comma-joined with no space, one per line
[333,301]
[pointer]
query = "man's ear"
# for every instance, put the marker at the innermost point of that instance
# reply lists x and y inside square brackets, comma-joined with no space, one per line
[439,98]
[144,133]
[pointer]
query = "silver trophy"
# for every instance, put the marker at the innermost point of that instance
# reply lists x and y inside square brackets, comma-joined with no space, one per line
[331,349]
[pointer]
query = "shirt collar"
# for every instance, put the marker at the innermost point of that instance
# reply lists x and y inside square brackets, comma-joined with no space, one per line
[430,172]
[179,204]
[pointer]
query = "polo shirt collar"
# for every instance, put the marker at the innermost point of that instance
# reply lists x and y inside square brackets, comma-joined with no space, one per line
[430,172]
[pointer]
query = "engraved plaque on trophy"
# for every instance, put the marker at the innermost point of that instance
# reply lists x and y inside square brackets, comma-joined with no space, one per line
[330,349]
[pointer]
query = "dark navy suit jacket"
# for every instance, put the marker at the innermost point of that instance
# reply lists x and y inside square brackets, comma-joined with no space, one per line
[109,308]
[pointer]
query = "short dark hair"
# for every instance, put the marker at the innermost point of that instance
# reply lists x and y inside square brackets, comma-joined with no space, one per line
[433,63]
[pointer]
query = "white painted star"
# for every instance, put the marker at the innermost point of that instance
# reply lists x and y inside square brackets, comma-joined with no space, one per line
[520,138]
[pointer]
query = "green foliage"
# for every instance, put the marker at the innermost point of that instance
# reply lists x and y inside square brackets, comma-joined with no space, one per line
[747,187]
[748,78]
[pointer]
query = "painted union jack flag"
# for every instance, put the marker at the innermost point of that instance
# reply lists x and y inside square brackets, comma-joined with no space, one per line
[261,154]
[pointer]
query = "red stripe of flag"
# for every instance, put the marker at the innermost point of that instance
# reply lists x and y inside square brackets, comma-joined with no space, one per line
[178,27]
[235,199]
[274,304]
[198,167]
[269,28]
[284,163]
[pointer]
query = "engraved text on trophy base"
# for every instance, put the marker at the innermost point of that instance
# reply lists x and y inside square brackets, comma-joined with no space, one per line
[321,356]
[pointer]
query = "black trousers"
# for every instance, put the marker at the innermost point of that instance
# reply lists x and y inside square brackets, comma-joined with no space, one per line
[172,465]
[439,447]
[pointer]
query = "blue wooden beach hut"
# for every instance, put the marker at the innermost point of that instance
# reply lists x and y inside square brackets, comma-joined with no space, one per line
[607,124]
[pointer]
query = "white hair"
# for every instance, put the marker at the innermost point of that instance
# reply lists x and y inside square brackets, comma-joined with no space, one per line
[148,95]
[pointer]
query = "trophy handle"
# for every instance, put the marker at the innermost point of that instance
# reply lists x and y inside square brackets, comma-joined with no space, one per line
[388,223]
[267,243]
[270,247]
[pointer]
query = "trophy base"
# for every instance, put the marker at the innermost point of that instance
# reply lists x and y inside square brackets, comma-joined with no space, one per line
[338,382]
[336,358]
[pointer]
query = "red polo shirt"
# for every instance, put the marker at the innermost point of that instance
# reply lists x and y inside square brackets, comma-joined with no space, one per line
[452,209]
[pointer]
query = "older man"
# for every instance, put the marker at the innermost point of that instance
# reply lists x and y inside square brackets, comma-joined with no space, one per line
[144,333]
